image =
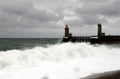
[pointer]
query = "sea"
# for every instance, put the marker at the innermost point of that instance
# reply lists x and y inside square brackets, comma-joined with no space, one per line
[49,58]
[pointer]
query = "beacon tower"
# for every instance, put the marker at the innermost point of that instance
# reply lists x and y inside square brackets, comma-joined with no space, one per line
[99,30]
[100,34]
[66,31]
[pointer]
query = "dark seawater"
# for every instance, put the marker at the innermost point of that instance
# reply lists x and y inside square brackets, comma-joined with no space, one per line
[28,43]
[47,58]
[22,43]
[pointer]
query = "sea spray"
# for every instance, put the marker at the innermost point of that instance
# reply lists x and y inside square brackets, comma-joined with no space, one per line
[59,61]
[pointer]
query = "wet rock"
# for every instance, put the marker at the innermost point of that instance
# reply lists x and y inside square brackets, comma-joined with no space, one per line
[106,75]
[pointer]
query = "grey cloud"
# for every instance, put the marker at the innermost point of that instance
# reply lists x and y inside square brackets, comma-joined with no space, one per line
[92,19]
[109,8]
[89,1]
[19,18]
[27,10]
[38,18]
[91,12]
[15,6]
[44,15]
[75,22]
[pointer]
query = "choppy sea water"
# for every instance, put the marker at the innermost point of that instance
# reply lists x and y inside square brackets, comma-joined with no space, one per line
[50,59]
[22,43]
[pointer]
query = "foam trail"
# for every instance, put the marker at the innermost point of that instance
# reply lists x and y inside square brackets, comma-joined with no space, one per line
[60,61]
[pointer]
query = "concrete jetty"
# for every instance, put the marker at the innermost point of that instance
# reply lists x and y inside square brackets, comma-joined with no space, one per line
[100,38]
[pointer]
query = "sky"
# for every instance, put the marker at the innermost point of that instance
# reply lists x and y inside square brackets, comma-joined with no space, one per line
[47,18]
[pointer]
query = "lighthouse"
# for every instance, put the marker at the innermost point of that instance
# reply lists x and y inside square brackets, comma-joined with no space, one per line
[68,36]
[99,30]
[66,31]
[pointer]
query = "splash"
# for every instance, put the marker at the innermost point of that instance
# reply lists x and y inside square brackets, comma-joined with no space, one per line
[59,61]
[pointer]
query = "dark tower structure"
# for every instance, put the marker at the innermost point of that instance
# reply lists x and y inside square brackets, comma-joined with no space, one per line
[99,30]
[66,31]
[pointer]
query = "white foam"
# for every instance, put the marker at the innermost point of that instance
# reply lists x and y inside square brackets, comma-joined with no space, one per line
[60,61]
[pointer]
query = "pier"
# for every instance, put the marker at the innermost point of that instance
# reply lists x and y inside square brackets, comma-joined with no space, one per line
[77,39]
[100,38]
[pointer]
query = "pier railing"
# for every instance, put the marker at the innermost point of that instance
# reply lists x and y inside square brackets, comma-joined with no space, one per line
[80,39]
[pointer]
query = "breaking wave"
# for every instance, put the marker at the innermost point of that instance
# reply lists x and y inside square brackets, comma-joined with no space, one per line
[59,61]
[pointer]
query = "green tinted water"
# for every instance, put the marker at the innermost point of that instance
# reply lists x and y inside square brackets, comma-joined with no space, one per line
[22,43]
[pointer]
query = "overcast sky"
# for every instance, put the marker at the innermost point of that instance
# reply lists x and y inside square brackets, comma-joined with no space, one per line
[47,18]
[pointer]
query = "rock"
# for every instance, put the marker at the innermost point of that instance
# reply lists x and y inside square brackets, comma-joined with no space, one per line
[106,75]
